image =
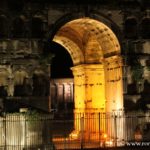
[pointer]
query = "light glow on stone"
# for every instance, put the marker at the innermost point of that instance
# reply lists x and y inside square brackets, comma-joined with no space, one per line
[97,71]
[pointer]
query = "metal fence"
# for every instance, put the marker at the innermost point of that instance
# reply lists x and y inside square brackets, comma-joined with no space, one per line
[86,130]
[25,132]
[102,130]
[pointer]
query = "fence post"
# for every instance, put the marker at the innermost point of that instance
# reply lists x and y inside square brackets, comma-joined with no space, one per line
[5,131]
[99,130]
[25,134]
[82,130]
[115,124]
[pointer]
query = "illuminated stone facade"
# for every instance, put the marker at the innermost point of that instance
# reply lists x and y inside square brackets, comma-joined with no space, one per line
[62,93]
[97,70]
[102,39]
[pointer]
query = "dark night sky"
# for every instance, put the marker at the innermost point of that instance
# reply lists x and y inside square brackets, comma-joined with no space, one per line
[61,63]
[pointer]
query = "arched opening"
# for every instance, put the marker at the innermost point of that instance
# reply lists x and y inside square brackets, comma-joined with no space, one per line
[131,28]
[40,83]
[36,27]
[3,27]
[20,81]
[18,28]
[61,81]
[145,30]
[97,71]
[16,5]
[61,63]
[4,74]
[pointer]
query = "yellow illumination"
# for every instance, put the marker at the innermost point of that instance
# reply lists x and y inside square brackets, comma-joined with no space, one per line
[74,135]
[97,71]
[104,135]
[109,143]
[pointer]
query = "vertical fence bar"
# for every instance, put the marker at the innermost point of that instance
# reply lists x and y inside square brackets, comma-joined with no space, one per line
[99,128]
[41,125]
[5,132]
[115,124]
[25,130]
[82,130]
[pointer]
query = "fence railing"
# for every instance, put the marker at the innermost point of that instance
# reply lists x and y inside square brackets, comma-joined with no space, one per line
[23,131]
[90,130]
[100,130]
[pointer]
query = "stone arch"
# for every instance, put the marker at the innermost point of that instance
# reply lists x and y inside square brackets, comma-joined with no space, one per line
[97,70]
[18,27]
[76,56]
[3,26]
[90,50]
[4,75]
[36,27]
[76,32]
[21,80]
[6,78]
[93,15]
[40,83]
[131,27]
[20,71]
[101,17]
[145,30]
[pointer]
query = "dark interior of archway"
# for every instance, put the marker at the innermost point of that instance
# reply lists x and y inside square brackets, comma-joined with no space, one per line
[61,63]
[60,68]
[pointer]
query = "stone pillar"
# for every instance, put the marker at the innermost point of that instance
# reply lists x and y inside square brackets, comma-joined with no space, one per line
[53,91]
[60,94]
[114,99]
[114,84]
[71,92]
[10,88]
[66,95]
[66,92]
[79,97]
[89,96]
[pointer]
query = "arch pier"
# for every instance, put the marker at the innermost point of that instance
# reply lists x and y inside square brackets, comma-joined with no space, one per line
[97,71]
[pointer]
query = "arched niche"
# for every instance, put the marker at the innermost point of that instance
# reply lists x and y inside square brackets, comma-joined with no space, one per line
[21,81]
[145,28]
[130,27]
[3,26]
[36,27]
[18,30]
[40,83]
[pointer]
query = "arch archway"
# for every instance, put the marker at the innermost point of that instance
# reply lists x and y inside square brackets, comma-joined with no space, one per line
[131,27]
[97,70]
